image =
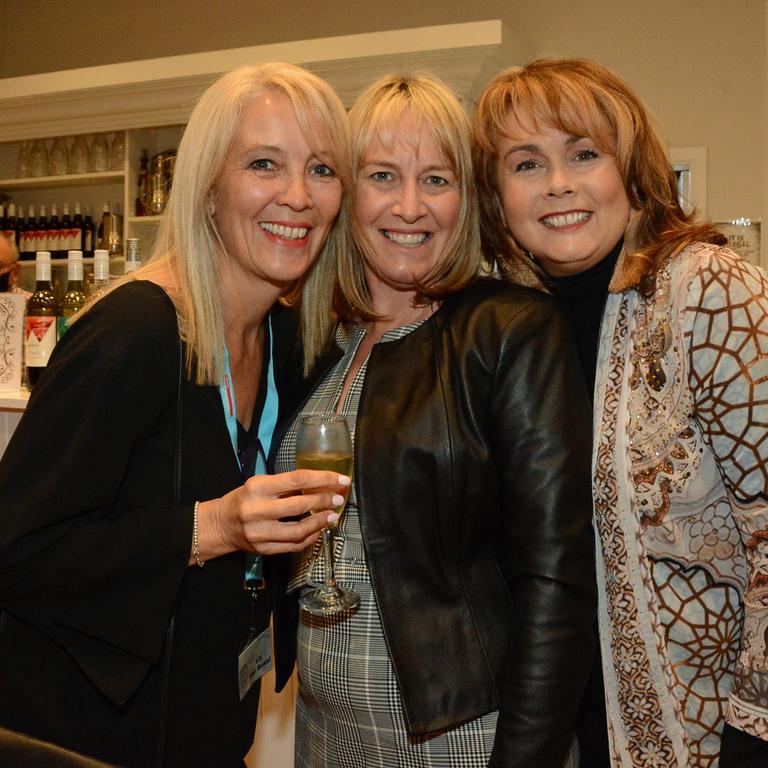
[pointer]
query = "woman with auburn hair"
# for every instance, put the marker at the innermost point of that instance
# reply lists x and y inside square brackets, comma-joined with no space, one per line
[467,531]
[580,201]
[134,500]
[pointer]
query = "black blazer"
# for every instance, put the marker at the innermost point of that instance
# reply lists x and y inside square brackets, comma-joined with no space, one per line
[472,474]
[109,644]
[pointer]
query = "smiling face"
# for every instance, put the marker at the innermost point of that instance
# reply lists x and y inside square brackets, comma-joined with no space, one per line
[562,197]
[407,204]
[275,200]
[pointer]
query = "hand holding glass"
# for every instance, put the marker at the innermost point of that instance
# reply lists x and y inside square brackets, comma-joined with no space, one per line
[323,442]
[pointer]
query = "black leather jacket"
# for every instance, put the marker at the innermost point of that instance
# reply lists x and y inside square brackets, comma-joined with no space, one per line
[472,472]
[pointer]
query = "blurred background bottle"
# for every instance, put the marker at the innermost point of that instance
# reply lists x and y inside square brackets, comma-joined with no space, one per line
[98,158]
[41,231]
[54,233]
[78,156]
[77,227]
[40,325]
[24,161]
[38,159]
[9,225]
[70,237]
[132,255]
[117,151]
[58,159]
[89,234]
[100,272]
[74,298]
[27,236]
[142,186]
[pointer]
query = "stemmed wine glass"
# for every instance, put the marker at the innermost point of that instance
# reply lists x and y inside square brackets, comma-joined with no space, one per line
[323,442]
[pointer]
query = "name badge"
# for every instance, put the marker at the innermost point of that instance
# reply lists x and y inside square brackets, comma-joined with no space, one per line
[254,661]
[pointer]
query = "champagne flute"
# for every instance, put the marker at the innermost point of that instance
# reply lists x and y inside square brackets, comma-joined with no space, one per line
[323,442]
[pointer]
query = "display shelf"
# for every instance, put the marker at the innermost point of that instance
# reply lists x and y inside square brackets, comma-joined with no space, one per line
[64,262]
[144,219]
[65,180]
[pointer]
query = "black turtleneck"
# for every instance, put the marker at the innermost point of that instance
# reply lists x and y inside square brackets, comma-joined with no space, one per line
[582,297]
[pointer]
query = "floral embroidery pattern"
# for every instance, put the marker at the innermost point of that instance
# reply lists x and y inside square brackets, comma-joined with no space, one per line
[702,627]
[646,741]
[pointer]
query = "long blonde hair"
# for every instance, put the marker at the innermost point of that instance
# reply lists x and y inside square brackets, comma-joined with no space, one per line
[583,98]
[377,115]
[187,240]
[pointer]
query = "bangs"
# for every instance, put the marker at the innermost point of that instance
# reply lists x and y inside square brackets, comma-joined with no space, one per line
[557,103]
[384,119]
[323,125]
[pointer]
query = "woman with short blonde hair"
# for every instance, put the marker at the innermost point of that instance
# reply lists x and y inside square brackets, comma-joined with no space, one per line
[466,533]
[377,114]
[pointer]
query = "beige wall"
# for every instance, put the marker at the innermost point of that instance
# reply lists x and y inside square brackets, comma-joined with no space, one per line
[700,64]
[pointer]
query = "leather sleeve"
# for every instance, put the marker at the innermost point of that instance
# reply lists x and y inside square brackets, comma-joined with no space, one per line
[542,418]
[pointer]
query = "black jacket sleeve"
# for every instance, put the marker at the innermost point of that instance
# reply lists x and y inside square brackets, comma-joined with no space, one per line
[542,423]
[92,551]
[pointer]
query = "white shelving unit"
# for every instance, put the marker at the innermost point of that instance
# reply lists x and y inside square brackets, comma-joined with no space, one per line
[152,99]
[91,190]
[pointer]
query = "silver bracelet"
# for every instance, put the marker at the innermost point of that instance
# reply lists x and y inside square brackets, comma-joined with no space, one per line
[195,542]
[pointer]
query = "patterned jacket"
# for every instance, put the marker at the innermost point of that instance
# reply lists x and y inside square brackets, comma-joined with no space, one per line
[680,485]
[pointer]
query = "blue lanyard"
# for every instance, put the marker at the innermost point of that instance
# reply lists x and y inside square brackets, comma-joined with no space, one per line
[267,423]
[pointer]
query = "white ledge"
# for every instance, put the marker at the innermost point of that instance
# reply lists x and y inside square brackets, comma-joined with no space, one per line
[162,91]
[13,400]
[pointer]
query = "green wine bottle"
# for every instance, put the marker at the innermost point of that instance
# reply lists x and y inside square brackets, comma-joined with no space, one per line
[74,298]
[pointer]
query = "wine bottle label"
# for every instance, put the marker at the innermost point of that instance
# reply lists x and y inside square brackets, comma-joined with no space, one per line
[40,339]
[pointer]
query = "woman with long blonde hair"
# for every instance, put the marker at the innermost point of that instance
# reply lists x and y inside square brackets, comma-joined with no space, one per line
[134,499]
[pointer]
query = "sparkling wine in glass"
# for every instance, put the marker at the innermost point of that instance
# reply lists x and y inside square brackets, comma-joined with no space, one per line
[323,442]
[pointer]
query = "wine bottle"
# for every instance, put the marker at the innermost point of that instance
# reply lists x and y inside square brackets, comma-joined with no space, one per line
[100,271]
[40,325]
[103,227]
[21,224]
[74,298]
[3,218]
[54,233]
[27,240]
[132,254]
[11,225]
[41,232]
[142,186]
[89,234]
[69,235]
[77,228]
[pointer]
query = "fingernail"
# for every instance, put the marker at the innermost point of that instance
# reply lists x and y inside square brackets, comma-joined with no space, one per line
[332,518]
[337,500]
[345,480]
